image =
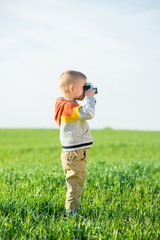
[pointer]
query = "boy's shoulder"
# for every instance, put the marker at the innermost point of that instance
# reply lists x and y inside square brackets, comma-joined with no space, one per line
[65,108]
[69,106]
[66,103]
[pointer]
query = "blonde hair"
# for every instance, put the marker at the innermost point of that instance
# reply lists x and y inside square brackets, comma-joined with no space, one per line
[69,77]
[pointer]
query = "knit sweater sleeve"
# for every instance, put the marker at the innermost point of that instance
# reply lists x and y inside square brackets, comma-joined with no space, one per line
[88,110]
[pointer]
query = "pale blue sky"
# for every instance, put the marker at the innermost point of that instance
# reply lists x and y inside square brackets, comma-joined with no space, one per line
[115,43]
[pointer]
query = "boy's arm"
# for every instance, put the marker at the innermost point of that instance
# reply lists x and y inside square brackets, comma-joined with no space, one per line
[88,110]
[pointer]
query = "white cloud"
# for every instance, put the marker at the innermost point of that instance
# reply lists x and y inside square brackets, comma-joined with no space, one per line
[7,41]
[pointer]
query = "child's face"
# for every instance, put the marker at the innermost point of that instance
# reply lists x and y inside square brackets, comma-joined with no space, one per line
[79,89]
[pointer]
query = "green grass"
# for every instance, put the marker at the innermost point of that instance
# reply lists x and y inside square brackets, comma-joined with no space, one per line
[120,200]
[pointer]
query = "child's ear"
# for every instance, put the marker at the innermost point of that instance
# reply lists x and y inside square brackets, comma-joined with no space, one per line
[71,88]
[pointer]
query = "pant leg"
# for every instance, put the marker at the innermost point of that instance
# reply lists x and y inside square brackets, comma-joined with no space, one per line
[74,164]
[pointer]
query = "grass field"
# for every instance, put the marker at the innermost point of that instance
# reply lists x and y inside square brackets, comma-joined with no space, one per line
[121,197]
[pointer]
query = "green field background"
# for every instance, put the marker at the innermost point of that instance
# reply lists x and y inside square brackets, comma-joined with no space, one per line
[121,196]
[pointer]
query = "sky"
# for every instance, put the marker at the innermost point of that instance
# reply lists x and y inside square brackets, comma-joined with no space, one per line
[114,43]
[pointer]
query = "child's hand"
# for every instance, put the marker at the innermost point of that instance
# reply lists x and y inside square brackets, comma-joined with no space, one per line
[90,92]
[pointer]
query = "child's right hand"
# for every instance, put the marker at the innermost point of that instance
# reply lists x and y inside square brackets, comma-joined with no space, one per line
[90,92]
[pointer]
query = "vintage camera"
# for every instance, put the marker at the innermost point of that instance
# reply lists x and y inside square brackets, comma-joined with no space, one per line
[89,85]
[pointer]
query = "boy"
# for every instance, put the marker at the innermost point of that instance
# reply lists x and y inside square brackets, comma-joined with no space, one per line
[75,135]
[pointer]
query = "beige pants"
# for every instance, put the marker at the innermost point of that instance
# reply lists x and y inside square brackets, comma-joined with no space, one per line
[74,165]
